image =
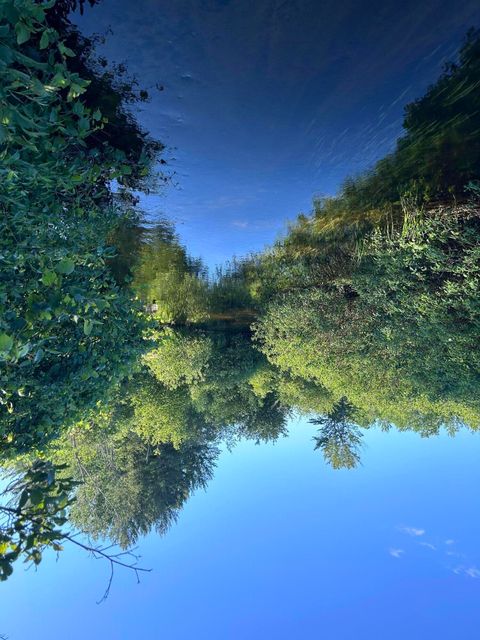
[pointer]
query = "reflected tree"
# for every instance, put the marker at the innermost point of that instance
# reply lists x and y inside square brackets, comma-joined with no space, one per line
[367,295]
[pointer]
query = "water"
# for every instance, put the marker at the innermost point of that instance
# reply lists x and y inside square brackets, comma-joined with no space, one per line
[266,104]
[286,444]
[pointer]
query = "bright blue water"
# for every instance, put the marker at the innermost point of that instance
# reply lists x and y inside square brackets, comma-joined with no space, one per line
[265,104]
[281,546]
[269,102]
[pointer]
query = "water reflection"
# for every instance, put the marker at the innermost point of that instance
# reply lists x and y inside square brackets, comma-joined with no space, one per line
[127,365]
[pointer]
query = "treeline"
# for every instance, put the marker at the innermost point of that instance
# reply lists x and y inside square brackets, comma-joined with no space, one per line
[180,288]
[140,462]
[70,329]
[375,296]
[367,312]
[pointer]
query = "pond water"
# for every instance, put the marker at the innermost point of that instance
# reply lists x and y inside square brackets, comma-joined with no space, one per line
[240,365]
[266,103]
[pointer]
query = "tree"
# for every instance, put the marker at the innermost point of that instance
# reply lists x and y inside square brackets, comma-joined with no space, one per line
[68,333]
[130,487]
[164,272]
[37,521]
[340,438]
[180,357]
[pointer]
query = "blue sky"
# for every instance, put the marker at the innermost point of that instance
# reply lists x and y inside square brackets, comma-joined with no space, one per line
[280,546]
[268,102]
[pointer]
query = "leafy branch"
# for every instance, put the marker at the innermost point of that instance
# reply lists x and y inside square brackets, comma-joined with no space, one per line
[35,523]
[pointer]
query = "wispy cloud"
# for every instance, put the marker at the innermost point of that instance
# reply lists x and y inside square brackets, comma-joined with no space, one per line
[240,224]
[471,572]
[429,545]
[413,531]
[447,552]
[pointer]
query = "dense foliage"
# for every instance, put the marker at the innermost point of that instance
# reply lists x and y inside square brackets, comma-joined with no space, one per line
[366,313]
[68,333]
[34,519]
[375,296]
[439,153]
[180,287]
[399,335]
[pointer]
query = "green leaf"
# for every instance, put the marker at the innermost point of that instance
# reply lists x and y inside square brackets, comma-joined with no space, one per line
[36,496]
[44,40]
[75,91]
[49,278]
[65,50]
[6,342]
[87,327]
[78,108]
[23,33]
[24,349]
[65,266]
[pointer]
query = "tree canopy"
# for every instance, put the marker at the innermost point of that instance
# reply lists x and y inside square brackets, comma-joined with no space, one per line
[125,363]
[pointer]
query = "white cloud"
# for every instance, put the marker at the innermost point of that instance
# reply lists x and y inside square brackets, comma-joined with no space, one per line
[449,541]
[428,545]
[241,224]
[471,572]
[412,531]
[396,553]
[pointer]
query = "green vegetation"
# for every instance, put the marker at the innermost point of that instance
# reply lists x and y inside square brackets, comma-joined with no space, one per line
[399,334]
[340,438]
[68,333]
[375,296]
[129,487]
[137,465]
[181,288]
[165,274]
[35,522]
[439,153]
[125,364]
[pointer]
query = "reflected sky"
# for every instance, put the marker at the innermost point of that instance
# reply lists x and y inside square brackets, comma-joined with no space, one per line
[269,102]
[281,546]
[265,104]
